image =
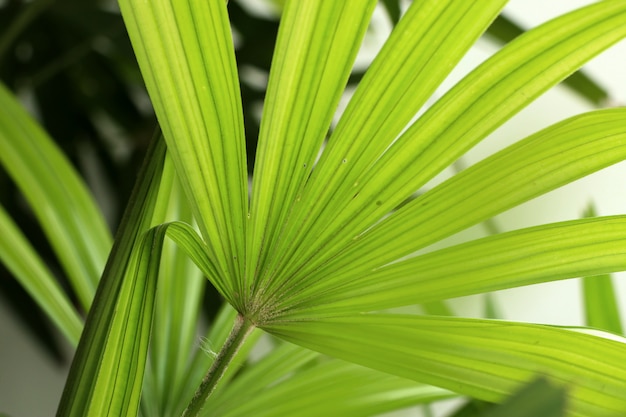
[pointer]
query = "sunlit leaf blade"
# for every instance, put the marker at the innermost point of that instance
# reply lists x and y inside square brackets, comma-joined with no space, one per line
[301,100]
[400,80]
[67,212]
[546,160]
[115,310]
[522,257]
[116,388]
[118,385]
[21,259]
[178,304]
[599,299]
[185,52]
[485,359]
[508,81]
[337,388]
[504,30]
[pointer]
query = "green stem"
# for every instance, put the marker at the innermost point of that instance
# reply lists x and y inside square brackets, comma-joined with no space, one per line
[241,329]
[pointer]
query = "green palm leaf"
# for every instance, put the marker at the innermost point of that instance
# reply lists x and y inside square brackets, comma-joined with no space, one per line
[550,158]
[600,301]
[481,358]
[196,97]
[326,238]
[506,82]
[335,388]
[402,78]
[300,103]
[528,256]
[178,305]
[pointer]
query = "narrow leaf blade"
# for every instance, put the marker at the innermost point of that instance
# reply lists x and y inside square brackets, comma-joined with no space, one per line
[185,52]
[60,200]
[82,387]
[540,163]
[398,83]
[476,106]
[484,359]
[22,261]
[301,100]
[505,30]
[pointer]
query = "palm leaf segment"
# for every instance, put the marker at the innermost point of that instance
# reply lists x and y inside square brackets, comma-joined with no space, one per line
[319,234]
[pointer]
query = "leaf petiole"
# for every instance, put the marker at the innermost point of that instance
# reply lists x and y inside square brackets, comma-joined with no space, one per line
[241,329]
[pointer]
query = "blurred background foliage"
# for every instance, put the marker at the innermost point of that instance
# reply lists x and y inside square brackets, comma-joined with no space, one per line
[71,64]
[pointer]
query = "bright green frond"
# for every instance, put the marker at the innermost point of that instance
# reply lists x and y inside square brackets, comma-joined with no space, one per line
[316,47]
[546,160]
[185,51]
[178,304]
[505,30]
[528,256]
[345,199]
[404,75]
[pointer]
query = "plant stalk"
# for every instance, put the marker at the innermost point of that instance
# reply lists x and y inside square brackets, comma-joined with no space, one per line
[241,329]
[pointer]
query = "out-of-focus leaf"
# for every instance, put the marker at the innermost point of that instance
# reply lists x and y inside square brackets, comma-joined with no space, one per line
[539,398]
[334,387]
[600,303]
[58,197]
[405,73]
[24,263]
[393,10]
